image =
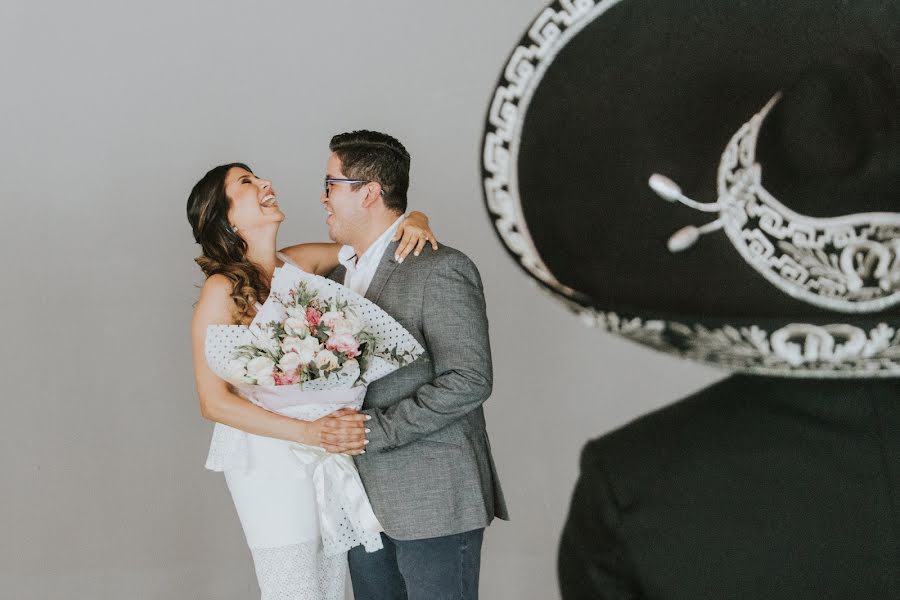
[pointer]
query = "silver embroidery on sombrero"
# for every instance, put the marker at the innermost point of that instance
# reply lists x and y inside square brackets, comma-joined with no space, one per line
[551,30]
[837,350]
[848,264]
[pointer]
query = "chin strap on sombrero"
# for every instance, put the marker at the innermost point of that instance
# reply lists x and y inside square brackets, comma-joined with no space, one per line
[685,237]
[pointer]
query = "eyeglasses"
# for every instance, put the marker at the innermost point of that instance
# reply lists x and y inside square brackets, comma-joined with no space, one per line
[350,181]
[337,180]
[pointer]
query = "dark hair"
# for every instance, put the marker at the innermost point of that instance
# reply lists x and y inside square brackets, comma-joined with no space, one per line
[224,251]
[377,157]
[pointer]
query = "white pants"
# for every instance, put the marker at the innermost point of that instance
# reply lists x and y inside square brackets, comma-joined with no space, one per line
[276,503]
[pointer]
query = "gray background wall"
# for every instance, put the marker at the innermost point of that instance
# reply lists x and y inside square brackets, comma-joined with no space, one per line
[110,111]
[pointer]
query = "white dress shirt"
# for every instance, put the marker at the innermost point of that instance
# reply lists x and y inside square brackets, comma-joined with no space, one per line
[361,270]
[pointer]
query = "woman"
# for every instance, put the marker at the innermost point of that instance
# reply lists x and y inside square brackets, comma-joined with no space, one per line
[235,218]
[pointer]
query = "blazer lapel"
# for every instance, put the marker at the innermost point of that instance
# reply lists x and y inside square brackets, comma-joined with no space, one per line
[338,274]
[382,273]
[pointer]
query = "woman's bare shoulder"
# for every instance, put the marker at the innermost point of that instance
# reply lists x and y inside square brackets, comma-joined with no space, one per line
[216,284]
[215,303]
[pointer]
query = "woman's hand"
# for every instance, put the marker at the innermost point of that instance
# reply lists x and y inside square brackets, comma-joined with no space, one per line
[413,234]
[341,432]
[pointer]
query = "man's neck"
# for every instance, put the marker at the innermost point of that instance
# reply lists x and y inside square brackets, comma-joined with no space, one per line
[374,232]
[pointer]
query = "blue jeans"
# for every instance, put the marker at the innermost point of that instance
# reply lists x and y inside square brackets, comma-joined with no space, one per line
[441,568]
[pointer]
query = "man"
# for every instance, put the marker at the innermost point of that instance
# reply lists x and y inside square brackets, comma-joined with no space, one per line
[428,468]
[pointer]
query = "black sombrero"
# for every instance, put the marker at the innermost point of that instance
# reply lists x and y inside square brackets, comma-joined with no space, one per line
[778,249]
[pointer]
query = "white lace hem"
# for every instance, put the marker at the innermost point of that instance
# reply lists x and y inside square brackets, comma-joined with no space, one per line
[299,572]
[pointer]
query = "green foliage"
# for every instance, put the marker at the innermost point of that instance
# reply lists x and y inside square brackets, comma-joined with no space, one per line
[397,356]
[302,295]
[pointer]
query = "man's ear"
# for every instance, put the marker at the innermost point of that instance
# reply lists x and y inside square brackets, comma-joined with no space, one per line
[373,194]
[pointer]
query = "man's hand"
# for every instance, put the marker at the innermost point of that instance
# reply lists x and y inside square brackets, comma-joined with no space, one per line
[341,432]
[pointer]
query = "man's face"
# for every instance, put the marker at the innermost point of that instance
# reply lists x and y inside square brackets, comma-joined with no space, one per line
[346,216]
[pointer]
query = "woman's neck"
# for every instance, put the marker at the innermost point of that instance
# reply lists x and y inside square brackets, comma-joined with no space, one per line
[262,252]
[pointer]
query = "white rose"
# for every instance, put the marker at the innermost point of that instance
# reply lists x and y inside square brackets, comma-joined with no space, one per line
[297,312]
[296,327]
[310,343]
[331,318]
[236,371]
[260,369]
[289,362]
[290,344]
[306,356]
[266,381]
[266,344]
[346,325]
[354,323]
[307,349]
[326,359]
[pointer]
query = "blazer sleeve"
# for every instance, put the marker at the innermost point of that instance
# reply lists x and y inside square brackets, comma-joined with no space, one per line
[455,328]
[593,561]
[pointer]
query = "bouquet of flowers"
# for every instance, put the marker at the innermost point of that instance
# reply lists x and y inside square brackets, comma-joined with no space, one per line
[321,344]
[311,349]
[314,335]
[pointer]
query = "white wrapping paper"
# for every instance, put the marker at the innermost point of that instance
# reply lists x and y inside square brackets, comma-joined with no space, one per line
[346,518]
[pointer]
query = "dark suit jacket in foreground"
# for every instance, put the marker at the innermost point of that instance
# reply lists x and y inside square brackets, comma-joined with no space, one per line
[428,468]
[756,488]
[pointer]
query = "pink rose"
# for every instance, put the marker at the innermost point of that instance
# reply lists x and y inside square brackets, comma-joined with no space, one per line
[290,378]
[313,316]
[343,342]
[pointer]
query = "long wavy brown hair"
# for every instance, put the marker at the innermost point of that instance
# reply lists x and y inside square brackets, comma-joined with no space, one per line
[224,251]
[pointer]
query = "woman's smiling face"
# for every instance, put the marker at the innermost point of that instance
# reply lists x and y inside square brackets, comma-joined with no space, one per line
[253,201]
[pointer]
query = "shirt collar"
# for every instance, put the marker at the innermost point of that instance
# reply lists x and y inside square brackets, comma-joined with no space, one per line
[347,255]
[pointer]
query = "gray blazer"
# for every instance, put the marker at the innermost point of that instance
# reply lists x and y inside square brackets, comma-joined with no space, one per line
[428,468]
